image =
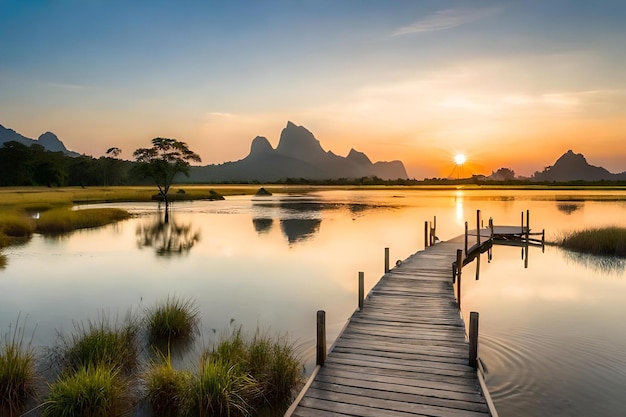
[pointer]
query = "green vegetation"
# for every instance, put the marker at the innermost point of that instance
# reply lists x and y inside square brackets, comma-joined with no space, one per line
[17,373]
[173,319]
[606,241]
[271,362]
[222,389]
[168,389]
[100,343]
[63,220]
[95,391]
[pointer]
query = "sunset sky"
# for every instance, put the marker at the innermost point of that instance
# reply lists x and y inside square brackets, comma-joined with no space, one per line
[508,83]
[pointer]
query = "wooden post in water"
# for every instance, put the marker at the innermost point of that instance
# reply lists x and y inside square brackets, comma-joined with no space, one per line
[386,260]
[361,289]
[473,340]
[522,229]
[459,268]
[491,226]
[433,231]
[426,238]
[478,227]
[321,338]
[527,225]
[466,236]
[477,266]
[543,240]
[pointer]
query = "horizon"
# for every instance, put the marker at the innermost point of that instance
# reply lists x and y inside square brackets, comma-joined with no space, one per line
[511,85]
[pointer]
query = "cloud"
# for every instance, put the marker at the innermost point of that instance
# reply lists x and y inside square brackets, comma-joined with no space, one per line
[444,19]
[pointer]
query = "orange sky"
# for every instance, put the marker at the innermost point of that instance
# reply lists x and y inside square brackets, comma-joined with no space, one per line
[510,85]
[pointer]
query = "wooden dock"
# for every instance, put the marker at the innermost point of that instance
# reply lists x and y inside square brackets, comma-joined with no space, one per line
[405,353]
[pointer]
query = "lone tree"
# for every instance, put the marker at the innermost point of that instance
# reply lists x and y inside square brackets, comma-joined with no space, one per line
[161,162]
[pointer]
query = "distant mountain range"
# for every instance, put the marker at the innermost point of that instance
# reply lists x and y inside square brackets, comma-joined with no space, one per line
[298,155]
[574,167]
[48,140]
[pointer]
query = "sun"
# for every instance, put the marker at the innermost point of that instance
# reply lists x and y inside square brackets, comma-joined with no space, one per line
[459,159]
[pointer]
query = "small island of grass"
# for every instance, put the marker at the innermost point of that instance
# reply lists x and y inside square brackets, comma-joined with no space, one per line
[604,241]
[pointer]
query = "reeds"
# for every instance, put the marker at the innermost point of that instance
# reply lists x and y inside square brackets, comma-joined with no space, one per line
[17,372]
[168,389]
[95,391]
[64,220]
[605,241]
[99,343]
[174,319]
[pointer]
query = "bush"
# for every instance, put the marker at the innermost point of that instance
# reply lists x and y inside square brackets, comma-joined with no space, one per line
[95,391]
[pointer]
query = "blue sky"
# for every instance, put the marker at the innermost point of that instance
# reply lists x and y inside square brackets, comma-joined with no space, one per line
[510,84]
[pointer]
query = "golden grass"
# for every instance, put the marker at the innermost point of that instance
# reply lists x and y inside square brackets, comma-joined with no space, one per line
[605,241]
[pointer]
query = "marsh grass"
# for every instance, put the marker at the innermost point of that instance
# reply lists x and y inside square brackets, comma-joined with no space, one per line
[99,343]
[64,220]
[605,241]
[15,225]
[270,361]
[222,389]
[168,389]
[95,391]
[17,372]
[174,319]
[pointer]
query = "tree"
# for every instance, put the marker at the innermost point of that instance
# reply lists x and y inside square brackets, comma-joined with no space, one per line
[161,163]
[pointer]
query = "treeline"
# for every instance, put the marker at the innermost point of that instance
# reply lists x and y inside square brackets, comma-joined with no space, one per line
[22,165]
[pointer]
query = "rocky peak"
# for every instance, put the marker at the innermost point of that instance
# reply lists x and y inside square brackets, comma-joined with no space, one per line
[51,142]
[358,157]
[260,145]
[298,142]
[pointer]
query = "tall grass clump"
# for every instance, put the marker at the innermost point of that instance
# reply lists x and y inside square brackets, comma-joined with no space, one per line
[270,361]
[94,391]
[64,220]
[100,343]
[168,389]
[221,389]
[606,241]
[171,320]
[17,373]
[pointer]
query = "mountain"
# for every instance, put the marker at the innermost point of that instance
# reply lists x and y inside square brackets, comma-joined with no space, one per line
[48,140]
[573,167]
[298,155]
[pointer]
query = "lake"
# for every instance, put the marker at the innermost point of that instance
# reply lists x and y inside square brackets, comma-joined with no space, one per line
[552,334]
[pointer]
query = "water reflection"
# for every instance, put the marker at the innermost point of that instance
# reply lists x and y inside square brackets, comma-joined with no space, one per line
[298,230]
[568,208]
[167,237]
[609,265]
[262,225]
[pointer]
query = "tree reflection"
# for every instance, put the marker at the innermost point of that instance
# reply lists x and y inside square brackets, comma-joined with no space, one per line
[567,208]
[167,237]
[262,225]
[299,230]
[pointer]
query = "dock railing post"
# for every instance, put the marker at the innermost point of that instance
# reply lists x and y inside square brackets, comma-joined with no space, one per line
[527,226]
[426,238]
[321,338]
[459,268]
[522,230]
[386,260]
[466,236]
[473,340]
[491,226]
[361,289]
[433,231]
[478,227]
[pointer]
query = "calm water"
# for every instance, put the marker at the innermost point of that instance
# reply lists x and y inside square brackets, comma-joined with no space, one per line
[552,335]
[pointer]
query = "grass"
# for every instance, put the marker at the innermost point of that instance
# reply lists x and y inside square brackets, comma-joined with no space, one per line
[100,343]
[222,389]
[271,361]
[174,319]
[605,241]
[64,220]
[17,373]
[95,391]
[168,389]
